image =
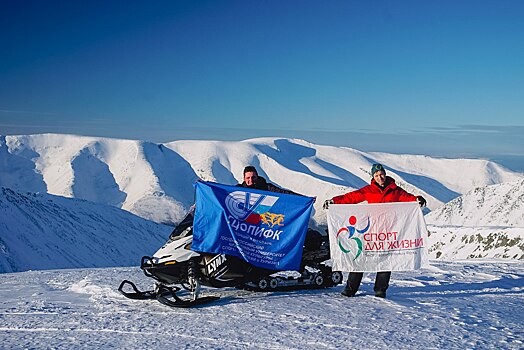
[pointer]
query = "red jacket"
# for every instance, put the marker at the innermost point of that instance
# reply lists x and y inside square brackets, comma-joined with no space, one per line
[374,194]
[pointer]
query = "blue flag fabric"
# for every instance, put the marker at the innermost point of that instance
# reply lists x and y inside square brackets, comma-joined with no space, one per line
[266,229]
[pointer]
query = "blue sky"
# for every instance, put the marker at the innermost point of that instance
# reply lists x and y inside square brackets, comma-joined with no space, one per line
[442,78]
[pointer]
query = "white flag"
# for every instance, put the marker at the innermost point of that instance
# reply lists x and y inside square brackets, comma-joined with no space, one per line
[377,237]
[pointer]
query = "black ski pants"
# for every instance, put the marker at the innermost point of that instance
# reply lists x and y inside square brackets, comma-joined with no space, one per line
[381,281]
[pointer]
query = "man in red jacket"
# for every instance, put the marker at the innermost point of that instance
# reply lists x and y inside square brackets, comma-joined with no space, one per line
[382,189]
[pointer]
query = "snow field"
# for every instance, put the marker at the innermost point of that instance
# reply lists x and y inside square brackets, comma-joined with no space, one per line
[452,305]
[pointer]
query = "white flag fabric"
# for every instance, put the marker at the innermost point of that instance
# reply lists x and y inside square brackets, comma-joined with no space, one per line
[377,237]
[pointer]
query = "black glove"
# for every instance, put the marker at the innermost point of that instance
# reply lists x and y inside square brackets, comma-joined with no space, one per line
[327,203]
[421,201]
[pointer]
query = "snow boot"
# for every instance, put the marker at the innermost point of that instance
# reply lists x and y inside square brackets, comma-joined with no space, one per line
[348,292]
[380,294]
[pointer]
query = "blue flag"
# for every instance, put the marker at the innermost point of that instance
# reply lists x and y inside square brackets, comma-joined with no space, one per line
[266,229]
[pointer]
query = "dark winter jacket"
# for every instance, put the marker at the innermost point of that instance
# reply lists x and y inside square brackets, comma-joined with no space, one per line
[373,193]
[263,185]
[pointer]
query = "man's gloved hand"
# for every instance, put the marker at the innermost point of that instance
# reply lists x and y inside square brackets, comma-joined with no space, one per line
[327,203]
[421,201]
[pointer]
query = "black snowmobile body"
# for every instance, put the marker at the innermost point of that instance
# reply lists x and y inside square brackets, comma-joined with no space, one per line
[175,267]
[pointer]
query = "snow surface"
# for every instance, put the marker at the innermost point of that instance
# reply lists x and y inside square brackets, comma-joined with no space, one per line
[154,181]
[452,305]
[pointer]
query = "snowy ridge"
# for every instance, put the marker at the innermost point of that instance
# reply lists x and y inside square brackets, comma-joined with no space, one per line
[154,181]
[133,175]
[41,231]
[495,205]
[487,222]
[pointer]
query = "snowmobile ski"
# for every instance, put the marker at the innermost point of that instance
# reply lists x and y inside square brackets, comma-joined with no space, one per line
[164,292]
[162,296]
[137,294]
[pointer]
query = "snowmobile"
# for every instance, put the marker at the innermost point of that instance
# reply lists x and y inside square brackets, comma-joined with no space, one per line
[177,268]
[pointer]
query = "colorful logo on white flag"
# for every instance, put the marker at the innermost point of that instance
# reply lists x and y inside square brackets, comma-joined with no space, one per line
[377,237]
[345,237]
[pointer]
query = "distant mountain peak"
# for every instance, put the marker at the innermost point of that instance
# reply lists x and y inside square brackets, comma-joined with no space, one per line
[493,205]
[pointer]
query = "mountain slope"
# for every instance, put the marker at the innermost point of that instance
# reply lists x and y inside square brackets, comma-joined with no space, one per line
[487,222]
[460,243]
[41,231]
[495,205]
[155,181]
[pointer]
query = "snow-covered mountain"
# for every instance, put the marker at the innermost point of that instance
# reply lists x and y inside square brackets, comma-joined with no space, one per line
[486,222]
[495,205]
[42,231]
[459,242]
[155,181]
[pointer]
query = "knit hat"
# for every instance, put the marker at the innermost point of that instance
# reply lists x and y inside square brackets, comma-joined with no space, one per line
[377,167]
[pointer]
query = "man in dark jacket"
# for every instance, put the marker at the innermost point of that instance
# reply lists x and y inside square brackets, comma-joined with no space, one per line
[252,180]
[382,189]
